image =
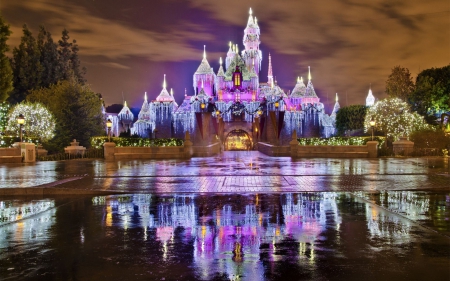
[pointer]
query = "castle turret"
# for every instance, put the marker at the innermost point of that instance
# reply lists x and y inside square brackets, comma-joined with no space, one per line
[336,106]
[370,100]
[270,73]
[205,75]
[230,56]
[251,42]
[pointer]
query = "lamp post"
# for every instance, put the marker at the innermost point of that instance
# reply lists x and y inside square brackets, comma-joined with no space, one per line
[20,121]
[372,125]
[109,125]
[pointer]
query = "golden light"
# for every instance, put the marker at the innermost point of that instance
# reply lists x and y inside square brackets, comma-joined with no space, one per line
[218,112]
[109,123]
[20,119]
[372,123]
[260,112]
[277,104]
[202,106]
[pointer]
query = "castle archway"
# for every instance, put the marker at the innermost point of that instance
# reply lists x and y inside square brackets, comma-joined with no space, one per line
[238,140]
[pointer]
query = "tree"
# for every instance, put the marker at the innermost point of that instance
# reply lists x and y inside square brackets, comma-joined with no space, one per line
[399,83]
[77,110]
[39,122]
[6,74]
[27,68]
[51,64]
[431,97]
[393,117]
[68,52]
[4,109]
[350,118]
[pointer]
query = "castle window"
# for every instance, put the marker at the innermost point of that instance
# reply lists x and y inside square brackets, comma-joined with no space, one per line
[237,79]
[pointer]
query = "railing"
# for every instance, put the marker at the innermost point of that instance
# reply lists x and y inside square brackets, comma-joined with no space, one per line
[89,153]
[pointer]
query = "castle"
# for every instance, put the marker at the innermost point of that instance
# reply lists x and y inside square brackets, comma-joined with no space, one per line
[232,105]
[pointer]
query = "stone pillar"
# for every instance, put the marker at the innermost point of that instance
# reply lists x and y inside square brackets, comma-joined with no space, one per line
[188,151]
[28,151]
[372,148]
[294,144]
[109,148]
[403,147]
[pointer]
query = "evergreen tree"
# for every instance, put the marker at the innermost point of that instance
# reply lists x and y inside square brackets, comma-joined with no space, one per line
[350,118]
[6,74]
[68,52]
[431,98]
[78,111]
[50,62]
[399,83]
[26,66]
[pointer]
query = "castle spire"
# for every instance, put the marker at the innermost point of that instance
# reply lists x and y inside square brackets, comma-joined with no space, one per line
[145,96]
[164,83]
[250,18]
[337,98]
[270,73]
[171,92]
[204,52]
[309,73]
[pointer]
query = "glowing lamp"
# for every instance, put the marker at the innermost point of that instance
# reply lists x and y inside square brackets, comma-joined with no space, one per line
[372,125]
[202,105]
[20,121]
[260,112]
[277,104]
[109,126]
[218,112]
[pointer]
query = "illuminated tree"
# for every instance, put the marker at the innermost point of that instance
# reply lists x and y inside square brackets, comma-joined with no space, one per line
[399,83]
[6,74]
[4,109]
[393,117]
[39,122]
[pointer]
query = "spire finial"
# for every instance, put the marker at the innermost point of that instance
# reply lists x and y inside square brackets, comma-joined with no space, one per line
[125,104]
[337,97]
[164,84]
[171,92]
[204,51]
[301,79]
[220,61]
[145,96]
[237,49]
[309,73]
[298,79]
[250,12]
[256,21]
[185,92]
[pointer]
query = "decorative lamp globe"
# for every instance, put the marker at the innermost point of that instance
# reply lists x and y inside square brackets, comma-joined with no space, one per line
[372,123]
[108,123]
[277,104]
[202,105]
[21,119]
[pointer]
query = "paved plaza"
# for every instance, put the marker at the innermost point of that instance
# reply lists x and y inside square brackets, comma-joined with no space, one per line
[236,216]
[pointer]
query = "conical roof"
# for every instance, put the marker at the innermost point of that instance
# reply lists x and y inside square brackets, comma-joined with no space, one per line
[164,96]
[204,67]
[125,114]
[144,114]
[370,100]
[299,90]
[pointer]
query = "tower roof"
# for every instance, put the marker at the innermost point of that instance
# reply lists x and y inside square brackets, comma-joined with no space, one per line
[125,114]
[221,72]
[370,100]
[299,90]
[204,67]
[310,92]
[164,96]
[336,106]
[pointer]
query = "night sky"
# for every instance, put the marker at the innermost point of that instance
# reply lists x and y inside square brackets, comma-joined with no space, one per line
[127,46]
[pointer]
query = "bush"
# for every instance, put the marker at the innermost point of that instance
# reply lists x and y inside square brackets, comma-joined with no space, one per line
[97,142]
[341,141]
[429,138]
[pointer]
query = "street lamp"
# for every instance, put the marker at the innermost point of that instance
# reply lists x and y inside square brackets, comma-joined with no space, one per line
[20,121]
[372,125]
[109,125]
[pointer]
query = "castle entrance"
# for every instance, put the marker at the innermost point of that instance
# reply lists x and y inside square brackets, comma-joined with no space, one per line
[238,140]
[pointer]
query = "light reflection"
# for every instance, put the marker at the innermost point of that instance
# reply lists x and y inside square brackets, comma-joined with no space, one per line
[230,236]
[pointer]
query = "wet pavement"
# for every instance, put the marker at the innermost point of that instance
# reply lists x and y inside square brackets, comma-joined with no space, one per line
[238,216]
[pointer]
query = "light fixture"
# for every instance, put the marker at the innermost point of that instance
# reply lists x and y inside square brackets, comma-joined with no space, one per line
[372,125]
[202,105]
[277,104]
[20,121]
[109,126]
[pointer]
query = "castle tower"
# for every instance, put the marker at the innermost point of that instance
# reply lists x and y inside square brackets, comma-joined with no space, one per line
[205,75]
[270,73]
[251,42]
[370,100]
[230,56]
[336,106]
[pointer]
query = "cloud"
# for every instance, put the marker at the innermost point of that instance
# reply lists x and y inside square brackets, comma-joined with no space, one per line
[98,36]
[115,65]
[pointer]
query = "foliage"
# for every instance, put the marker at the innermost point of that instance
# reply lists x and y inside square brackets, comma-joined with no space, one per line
[431,97]
[77,110]
[6,74]
[429,138]
[399,83]
[8,141]
[4,109]
[26,66]
[393,117]
[335,141]
[39,121]
[52,67]
[97,142]
[68,53]
[350,118]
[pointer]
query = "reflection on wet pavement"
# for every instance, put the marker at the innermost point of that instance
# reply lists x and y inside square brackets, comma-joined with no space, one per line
[278,236]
